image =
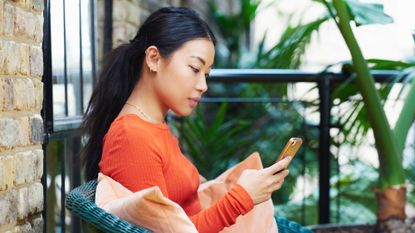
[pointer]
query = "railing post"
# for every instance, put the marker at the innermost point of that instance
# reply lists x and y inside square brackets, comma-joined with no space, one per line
[107,26]
[47,104]
[324,86]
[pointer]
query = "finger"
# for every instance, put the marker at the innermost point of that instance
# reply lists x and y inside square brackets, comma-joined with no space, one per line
[280,165]
[279,182]
[278,185]
[280,175]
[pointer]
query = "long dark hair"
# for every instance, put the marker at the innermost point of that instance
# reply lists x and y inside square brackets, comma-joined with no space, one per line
[168,29]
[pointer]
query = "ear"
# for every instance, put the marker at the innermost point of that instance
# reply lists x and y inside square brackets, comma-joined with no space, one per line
[152,58]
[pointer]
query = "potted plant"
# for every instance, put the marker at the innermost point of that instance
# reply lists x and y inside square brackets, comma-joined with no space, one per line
[390,142]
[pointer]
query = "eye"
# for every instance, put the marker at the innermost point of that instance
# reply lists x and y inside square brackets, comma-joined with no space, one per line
[195,70]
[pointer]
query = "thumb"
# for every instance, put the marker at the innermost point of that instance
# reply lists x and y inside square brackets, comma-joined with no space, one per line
[278,166]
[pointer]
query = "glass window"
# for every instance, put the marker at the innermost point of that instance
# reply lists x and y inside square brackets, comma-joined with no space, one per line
[88,57]
[73,58]
[71,82]
[58,58]
[72,51]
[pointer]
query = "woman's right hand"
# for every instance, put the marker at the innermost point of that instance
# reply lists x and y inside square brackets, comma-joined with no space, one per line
[260,184]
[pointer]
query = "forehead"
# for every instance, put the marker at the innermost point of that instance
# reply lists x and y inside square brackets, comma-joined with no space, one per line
[202,48]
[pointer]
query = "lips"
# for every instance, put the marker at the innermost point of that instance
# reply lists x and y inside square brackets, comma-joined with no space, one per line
[194,101]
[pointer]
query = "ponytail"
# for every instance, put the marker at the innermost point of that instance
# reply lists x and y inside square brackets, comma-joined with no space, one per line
[167,29]
[114,86]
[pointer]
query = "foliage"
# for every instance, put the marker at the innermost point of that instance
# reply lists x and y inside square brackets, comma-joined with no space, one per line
[234,30]
[216,142]
[266,127]
[353,119]
[214,146]
[290,49]
[388,141]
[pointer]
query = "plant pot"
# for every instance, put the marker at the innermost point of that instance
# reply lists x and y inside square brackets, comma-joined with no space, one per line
[391,203]
[343,228]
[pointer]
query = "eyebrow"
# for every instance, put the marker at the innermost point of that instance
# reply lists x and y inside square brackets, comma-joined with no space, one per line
[200,59]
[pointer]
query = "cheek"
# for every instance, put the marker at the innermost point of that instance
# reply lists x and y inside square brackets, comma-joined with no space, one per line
[180,78]
[174,87]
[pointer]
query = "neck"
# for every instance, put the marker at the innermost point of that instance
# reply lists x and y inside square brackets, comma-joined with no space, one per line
[143,98]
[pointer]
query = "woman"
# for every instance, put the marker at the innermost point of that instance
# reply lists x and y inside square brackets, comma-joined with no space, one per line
[163,68]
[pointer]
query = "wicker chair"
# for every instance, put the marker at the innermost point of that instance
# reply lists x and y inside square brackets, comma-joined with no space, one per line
[81,202]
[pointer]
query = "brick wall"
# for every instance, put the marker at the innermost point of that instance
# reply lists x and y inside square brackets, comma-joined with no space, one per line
[128,15]
[21,126]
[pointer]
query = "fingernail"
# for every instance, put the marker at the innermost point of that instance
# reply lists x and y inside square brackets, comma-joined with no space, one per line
[288,171]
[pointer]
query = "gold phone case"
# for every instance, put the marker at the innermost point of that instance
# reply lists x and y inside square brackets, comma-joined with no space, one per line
[291,148]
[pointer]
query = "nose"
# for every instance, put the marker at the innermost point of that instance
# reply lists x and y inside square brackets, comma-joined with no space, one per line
[201,84]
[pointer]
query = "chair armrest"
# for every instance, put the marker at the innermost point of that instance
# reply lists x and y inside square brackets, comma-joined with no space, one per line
[288,226]
[80,201]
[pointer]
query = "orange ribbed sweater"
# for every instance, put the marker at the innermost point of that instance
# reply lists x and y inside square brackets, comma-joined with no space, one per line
[139,154]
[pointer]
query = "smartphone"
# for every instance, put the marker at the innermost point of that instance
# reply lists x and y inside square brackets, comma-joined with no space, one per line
[290,148]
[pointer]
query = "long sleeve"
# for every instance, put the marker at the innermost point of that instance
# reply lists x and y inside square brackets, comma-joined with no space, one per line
[224,212]
[133,161]
[140,157]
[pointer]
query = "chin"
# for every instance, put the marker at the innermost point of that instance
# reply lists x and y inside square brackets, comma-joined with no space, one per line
[182,112]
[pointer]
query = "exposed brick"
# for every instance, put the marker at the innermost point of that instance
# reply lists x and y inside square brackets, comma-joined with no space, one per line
[37,224]
[21,22]
[36,197]
[36,61]
[8,207]
[24,131]
[21,66]
[125,11]
[120,10]
[28,25]
[38,94]
[38,164]
[22,3]
[7,172]
[136,2]
[24,59]
[37,5]
[133,14]
[8,103]
[22,203]
[37,28]
[23,228]
[152,5]
[122,32]
[2,94]
[1,17]
[144,15]
[8,17]
[119,33]
[9,132]
[3,55]
[12,58]
[24,94]
[131,31]
[37,129]
[25,171]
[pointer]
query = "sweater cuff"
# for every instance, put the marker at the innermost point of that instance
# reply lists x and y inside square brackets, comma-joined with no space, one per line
[243,197]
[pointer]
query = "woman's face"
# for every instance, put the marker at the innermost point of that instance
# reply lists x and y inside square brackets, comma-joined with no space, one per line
[181,78]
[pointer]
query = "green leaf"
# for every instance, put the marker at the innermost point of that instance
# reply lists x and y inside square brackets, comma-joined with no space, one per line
[384,64]
[288,52]
[367,13]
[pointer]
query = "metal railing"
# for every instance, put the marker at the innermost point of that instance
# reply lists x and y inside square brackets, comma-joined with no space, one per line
[227,76]
[324,82]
